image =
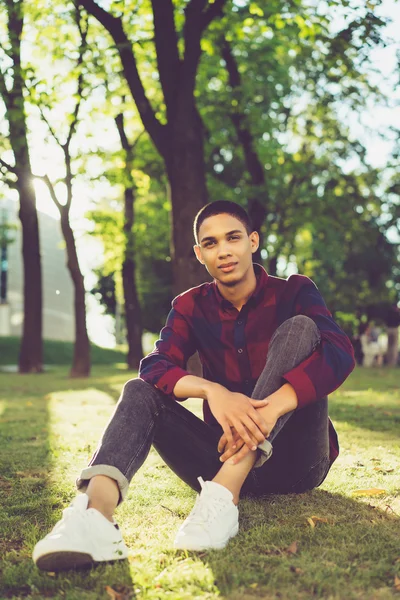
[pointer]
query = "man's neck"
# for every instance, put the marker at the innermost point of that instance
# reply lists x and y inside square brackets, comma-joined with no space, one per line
[240,293]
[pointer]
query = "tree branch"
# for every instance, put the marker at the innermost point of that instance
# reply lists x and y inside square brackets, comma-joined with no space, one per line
[166,43]
[113,25]
[51,189]
[52,132]
[8,167]
[197,19]
[243,132]
[216,9]
[82,48]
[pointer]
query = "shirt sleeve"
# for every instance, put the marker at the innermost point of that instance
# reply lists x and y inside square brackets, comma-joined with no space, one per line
[331,362]
[163,367]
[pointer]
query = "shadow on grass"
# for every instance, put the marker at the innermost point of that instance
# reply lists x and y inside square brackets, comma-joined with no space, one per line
[351,552]
[30,503]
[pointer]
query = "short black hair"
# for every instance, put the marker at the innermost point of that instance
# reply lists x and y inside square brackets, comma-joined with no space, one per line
[220,207]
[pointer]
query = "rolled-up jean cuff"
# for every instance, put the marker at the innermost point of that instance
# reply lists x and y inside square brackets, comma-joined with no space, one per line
[264,452]
[109,471]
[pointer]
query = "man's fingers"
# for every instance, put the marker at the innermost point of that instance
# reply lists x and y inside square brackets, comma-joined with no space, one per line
[239,455]
[231,451]
[244,434]
[228,432]
[260,422]
[254,430]
[222,443]
[259,403]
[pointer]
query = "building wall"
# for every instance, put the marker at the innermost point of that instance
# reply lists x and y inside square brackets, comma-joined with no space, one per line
[58,317]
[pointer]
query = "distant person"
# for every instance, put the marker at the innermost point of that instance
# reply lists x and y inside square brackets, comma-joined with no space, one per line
[270,352]
[372,350]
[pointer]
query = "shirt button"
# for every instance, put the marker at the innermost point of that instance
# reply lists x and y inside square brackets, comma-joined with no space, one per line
[240,350]
[246,381]
[239,322]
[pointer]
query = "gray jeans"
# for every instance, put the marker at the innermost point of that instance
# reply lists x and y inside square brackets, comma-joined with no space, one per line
[144,416]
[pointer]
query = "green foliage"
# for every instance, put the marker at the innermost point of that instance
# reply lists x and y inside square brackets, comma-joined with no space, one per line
[304,75]
[151,250]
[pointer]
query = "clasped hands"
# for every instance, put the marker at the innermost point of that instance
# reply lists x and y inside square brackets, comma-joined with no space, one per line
[246,423]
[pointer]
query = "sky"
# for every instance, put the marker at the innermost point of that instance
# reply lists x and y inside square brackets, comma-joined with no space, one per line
[366,127]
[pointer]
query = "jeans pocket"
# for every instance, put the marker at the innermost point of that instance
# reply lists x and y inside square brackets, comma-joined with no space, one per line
[314,478]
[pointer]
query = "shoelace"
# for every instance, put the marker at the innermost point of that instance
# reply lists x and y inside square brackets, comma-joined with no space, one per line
[68,513]
[206,506]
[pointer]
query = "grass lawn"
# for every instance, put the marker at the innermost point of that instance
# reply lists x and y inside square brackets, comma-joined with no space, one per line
[347,544]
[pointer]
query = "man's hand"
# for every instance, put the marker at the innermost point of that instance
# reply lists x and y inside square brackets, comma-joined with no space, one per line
[270,409]
[237,411]
[235,451]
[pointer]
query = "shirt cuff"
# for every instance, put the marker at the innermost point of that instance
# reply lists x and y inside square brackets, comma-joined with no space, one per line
[167,382]
[303,386]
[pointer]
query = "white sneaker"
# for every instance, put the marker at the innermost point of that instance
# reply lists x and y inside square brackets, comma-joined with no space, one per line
[81,538]
[213,520]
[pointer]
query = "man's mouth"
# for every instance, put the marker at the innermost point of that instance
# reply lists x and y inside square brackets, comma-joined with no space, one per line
[226,268]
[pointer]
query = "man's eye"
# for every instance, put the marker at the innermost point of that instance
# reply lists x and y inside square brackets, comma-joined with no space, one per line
[234,237]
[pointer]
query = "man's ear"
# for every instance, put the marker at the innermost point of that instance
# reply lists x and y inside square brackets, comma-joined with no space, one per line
[254,241]
[197,251]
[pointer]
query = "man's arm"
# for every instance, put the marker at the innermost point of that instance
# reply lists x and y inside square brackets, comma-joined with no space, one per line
[166,364]
[165,368]
[331,362]
[279,403]
[231,409]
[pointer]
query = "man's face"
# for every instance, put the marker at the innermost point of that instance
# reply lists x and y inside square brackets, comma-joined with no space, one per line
[225,248]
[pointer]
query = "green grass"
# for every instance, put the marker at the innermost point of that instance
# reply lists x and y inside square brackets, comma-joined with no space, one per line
[56,352]
[49,426]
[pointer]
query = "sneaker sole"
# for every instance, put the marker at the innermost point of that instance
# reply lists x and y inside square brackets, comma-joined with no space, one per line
[217,546]
[62,561]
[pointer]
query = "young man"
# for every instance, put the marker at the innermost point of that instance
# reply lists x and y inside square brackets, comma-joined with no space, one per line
[270,352]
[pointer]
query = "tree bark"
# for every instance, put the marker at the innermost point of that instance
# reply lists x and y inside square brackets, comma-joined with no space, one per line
[257,208]
[81,360]
[392,355]
[187,187]
[133,315]
[180,140]
[31,350]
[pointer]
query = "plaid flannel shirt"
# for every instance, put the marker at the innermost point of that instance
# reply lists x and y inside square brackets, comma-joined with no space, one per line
[233,345]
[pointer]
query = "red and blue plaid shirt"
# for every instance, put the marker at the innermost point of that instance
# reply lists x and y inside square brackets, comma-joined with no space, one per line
[233,345]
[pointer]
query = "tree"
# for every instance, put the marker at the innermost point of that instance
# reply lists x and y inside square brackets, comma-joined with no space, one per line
[133,316]
[81,363]
[179,139]
[12,93]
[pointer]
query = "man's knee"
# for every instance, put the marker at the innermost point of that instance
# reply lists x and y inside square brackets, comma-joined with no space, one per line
[137,390]
[298,326]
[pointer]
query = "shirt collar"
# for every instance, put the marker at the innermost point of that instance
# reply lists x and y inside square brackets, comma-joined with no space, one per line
[262,281]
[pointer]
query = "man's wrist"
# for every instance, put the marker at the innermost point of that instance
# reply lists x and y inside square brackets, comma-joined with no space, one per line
[282,401]
[208,388]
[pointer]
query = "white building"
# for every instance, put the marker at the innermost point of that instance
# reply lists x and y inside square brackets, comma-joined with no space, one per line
[58,307]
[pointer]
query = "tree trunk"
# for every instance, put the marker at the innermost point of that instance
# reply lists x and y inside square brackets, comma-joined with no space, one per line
[31,350]
[132,307]
[81,361]
[187,180]
[392,355]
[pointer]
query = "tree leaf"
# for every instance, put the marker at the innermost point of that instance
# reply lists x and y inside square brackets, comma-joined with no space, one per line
[311,522]
[319,519]
[292,549]
[370,492]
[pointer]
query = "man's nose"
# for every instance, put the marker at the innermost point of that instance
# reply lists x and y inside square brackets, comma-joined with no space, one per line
[223,250]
